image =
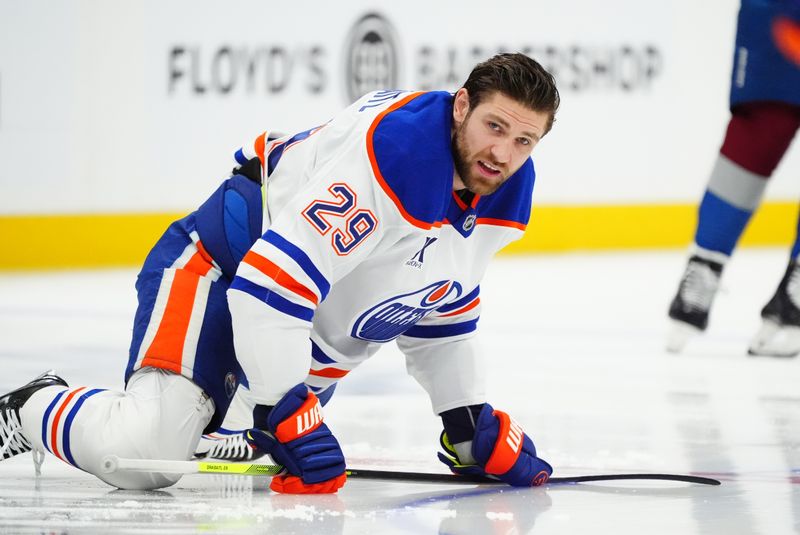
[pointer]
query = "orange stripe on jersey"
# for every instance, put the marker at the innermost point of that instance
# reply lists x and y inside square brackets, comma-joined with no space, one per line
[57,419]
[198,262]
[461,204]
[500,223]
[260,143]
[166,351]
[203,252]
[377,172]
[462,309]
[331,373]
[275,273]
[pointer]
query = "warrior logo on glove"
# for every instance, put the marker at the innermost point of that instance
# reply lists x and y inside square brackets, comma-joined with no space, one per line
[308,417]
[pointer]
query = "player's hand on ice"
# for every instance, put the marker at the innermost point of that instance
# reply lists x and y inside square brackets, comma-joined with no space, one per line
[294,434]
[501,450]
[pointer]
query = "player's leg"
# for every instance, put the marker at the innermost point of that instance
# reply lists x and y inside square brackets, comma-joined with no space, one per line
[181,375]
[183,323]
[758,135]
[779,334]
[160,415]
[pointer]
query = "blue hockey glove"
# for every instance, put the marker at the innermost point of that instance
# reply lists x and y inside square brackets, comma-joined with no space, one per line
[501,450]
[294,434]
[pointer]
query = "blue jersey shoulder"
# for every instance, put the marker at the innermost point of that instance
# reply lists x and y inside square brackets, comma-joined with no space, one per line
[510,205]
[409,146]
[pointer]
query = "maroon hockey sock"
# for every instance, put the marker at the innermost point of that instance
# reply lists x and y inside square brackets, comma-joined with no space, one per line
[759,134]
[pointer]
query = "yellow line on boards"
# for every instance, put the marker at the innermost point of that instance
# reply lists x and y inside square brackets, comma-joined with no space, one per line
[656,226]
[79,241]
[115,240]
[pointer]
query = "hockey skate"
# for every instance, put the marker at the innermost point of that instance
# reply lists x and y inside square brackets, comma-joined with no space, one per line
[690,308]
[233,448]
[779,335]
[12,441]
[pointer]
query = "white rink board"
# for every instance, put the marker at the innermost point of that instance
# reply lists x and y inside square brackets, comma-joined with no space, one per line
[138,106]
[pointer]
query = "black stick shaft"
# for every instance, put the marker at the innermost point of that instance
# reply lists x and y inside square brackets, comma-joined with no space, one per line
[452,478]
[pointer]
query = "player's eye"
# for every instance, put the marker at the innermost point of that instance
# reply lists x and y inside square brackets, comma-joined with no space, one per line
[494,126]
[524,141]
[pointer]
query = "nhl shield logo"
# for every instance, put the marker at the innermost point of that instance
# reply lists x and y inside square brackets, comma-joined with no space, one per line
[469,222]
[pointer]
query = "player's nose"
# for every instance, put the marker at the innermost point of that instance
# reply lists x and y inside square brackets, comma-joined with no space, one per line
[501,152]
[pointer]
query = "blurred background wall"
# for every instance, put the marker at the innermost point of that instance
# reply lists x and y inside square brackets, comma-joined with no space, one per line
[118,117]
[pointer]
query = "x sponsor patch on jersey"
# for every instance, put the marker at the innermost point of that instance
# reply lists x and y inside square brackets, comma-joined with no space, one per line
[418,259]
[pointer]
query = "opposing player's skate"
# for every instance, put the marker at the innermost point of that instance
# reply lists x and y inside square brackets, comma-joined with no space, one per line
[233,448]
[12,441]
[779,335]
[690,308]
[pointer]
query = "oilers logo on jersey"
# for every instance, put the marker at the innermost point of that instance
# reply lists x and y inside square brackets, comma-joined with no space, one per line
[231,383]
[392,317]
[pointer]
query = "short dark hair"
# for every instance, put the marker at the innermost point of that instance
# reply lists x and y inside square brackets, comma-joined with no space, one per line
[518,77]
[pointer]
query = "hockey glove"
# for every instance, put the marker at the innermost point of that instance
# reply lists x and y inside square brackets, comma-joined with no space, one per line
[454,463]
[294,434]
[501,450]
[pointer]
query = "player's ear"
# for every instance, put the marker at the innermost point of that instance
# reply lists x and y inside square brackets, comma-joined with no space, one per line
[461,105]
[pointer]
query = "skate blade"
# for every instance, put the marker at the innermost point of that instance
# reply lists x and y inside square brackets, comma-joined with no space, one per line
[775,340]
[679,335]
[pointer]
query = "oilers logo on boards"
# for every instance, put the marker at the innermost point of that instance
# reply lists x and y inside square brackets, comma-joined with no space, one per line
[391,318]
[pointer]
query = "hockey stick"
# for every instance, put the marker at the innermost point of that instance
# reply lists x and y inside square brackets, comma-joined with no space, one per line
[112,463]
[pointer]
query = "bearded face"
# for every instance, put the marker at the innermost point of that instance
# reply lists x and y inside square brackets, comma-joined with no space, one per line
[492,141]
[479,173]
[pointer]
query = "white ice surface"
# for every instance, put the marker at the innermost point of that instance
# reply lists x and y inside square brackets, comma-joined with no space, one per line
[576,348]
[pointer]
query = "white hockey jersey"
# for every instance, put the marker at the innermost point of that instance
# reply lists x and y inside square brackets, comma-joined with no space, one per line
[365,242]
